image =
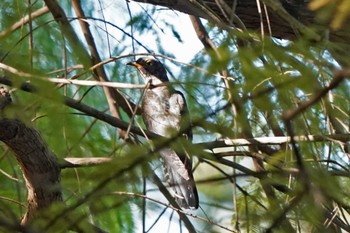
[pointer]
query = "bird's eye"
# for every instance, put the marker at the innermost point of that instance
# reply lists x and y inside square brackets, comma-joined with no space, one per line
[149,62]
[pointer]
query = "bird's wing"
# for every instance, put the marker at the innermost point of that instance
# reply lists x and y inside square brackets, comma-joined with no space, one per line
[160,114]
[177,103]
[181,174]
[178,109]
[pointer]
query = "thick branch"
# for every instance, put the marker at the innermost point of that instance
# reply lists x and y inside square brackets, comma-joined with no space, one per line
[38,164]
[286,19]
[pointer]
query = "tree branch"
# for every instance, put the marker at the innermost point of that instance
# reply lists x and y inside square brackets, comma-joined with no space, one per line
[208,145]
[287,20]
[274,140]
[80,51]
[38,164]
[113,96]
[84,162]
[24,20]
[338,78]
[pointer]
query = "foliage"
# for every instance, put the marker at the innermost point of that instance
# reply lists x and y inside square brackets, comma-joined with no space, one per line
[249,188]
[337,10]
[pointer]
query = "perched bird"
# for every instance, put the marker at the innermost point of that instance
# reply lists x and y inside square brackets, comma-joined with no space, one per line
[163,111]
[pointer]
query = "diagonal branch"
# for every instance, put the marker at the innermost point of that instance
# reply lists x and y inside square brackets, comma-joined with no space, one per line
[172,201]
[338,78]
[226,143]
[77,105]
[24,21]
[78,49]
[113,96]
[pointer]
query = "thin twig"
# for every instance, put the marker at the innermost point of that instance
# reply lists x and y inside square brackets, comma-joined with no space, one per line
[338,78]
[84,162]
[208,145]
[275,140]
[24,20]
[97,83]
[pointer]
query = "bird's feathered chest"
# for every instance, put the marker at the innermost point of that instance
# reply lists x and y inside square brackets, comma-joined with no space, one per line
[162,110]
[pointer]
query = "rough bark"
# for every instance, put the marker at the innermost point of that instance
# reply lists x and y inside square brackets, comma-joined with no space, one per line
[222,12]
[287,19]
[40,168]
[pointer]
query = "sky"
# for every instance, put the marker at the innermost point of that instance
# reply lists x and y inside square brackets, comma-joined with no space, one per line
[190,46]
[117,13]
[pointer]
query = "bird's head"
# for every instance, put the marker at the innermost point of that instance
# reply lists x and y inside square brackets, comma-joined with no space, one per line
[150,69]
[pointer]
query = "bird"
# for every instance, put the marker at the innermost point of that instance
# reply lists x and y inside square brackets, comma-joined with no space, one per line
[164,110]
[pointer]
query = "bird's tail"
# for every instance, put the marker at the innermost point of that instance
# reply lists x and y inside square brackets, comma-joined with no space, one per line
[178,170]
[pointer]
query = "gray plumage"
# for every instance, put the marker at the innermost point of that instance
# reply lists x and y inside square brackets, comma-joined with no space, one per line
[163,110]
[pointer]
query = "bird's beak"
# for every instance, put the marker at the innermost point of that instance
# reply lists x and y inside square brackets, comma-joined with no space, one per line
[138,66]
[134,63]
